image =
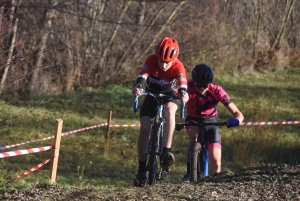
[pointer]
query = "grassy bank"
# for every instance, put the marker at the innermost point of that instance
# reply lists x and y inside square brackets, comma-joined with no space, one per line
[82,161]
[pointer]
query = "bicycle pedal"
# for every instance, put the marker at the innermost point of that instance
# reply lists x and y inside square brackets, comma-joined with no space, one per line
[159,178]
[159,175]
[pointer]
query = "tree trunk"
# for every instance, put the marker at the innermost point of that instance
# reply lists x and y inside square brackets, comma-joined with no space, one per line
[256,26]
[140,35]
[70,76]
[124,9]
[96,13]
[14,19]
[162,28]
[47,23]
[1,12]
[288,10]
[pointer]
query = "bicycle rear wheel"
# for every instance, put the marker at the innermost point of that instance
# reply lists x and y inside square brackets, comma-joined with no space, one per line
[155,151]
[195,161]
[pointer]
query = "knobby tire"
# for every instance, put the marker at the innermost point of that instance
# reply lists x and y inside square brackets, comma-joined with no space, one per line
[195,162]
[153,158]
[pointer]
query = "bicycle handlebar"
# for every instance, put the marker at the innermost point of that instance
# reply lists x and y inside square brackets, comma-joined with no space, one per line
[180,126]
[136,101]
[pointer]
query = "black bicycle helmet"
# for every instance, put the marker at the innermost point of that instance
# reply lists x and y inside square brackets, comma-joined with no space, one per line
[202,74]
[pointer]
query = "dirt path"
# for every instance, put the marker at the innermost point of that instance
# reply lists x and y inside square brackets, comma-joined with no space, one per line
[264,182]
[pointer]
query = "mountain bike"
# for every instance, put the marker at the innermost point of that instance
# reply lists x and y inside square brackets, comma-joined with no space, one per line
[155,146]
[199,156]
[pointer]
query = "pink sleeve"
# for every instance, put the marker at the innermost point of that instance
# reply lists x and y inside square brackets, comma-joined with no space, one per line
[220,94]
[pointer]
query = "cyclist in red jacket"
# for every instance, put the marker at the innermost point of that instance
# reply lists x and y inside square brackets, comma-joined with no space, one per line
[161,72]
[204,97]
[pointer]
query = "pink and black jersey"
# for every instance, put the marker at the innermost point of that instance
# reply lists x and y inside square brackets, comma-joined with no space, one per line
[159,81]
[205,105]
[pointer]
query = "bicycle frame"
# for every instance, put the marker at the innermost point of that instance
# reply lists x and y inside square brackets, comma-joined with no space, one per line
[155,145]
[199,156]
[154,149]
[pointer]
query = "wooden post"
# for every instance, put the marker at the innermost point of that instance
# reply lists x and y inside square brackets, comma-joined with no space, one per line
[107,134]
[53,168]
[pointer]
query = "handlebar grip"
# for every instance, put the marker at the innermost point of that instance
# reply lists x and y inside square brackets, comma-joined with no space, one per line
[182,110]
[136,100]
[136,104]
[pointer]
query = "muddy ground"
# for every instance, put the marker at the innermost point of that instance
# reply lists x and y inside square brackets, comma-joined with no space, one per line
[265,182]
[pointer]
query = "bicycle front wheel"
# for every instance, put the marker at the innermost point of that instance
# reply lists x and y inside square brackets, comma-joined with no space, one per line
[153,158]
[195,166]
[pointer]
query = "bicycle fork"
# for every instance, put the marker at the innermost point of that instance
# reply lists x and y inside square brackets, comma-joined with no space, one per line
[203,160]
[160,132]
[203,155]
[159,145]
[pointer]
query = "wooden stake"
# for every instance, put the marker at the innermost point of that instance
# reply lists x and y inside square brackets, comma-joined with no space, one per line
[107,134]
[55,152]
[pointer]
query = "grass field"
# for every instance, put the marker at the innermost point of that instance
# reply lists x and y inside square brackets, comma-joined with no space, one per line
[83,162]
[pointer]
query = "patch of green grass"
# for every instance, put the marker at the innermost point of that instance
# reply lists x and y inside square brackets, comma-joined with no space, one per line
[84,162]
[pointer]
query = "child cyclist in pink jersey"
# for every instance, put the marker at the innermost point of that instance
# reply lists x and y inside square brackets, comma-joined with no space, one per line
[204,97]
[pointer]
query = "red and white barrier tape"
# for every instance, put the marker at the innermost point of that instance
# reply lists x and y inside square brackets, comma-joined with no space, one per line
[124,125]
[34,168]
[22,143]
[243,124]
[269,123]
[51,137]
[24,151]
[83,129]
[137,125]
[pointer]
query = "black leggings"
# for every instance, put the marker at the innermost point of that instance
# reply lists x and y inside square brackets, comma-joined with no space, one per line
[149,104]
[211,133]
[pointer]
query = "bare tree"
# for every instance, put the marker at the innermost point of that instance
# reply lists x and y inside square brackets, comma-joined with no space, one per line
[257,4]
[14,25]
[124,9]
[95,11]
[163,27]
[96,41]
[39,54]
[287,13]
[140,34]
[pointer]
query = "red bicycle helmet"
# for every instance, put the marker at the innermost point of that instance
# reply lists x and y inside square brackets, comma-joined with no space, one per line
[167,50]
